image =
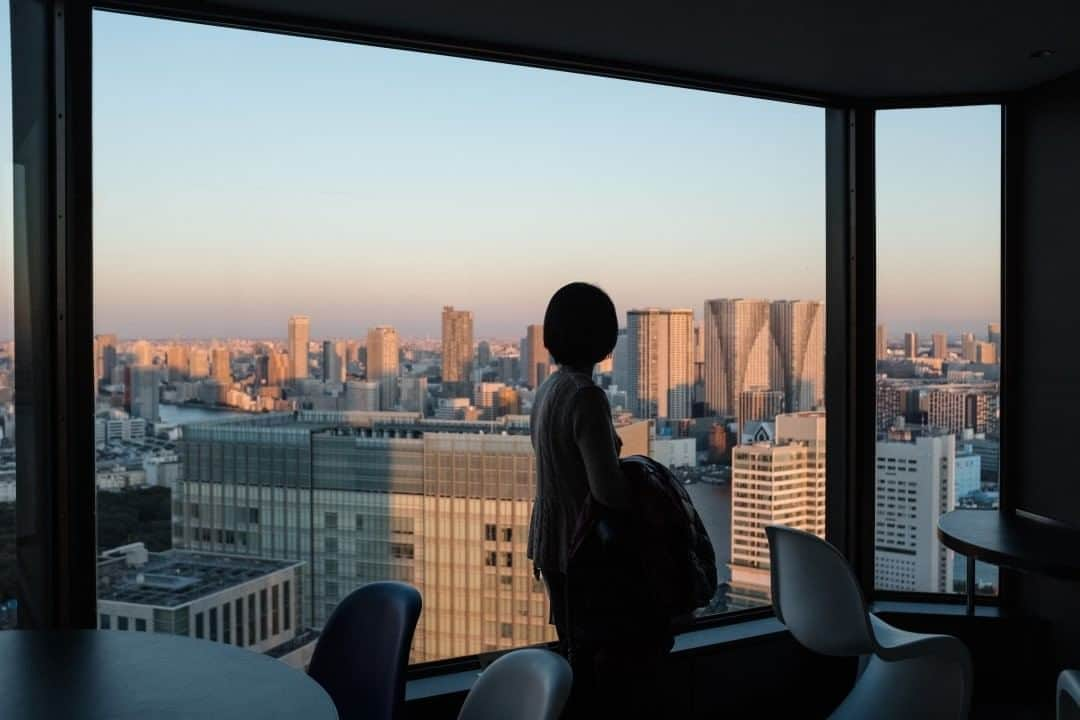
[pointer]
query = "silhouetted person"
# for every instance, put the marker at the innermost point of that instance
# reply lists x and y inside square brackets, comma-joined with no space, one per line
[616,644]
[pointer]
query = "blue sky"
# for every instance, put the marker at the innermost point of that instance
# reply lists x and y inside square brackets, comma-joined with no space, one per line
[241,177]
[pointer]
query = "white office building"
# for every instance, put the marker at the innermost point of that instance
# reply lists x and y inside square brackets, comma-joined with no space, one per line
[915,484]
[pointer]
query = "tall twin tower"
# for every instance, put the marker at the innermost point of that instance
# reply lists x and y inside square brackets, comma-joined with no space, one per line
[752,349]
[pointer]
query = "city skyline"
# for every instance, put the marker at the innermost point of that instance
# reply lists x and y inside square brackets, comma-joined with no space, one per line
[690,189]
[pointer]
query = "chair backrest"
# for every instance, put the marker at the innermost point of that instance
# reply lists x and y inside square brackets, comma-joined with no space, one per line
[528,684]
[815,594]
[362,654]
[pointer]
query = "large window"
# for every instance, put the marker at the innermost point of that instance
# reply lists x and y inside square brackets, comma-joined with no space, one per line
[320,275]
[938,338]
[8,609]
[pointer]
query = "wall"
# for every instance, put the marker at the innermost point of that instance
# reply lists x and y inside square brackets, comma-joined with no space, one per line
[1043,384]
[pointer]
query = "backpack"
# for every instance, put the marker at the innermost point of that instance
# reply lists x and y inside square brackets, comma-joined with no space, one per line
[662,546]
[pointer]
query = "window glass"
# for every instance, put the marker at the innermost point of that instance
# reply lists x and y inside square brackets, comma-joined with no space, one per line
[938,338]
[297,329]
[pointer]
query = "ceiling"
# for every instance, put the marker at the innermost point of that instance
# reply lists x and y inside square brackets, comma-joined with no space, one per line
[825,50]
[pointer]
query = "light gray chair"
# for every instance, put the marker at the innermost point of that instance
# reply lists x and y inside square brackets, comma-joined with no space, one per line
[1068,695]
[901,674]
[528,684]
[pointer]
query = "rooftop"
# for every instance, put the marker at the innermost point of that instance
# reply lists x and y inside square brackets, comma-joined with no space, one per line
[175,577]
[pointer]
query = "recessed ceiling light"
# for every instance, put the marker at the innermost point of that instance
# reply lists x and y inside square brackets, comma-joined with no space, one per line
[1040,54]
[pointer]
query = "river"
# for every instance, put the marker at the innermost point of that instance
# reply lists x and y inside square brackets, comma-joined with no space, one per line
[713,503]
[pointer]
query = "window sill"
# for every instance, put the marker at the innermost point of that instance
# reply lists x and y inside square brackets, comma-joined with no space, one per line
[455,682]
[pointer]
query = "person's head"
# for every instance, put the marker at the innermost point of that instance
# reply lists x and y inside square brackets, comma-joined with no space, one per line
[580,325]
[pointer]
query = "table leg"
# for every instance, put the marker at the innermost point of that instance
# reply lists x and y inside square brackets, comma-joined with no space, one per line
[970,585]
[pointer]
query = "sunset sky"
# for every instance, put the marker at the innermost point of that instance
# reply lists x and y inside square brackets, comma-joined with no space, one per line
[241,177]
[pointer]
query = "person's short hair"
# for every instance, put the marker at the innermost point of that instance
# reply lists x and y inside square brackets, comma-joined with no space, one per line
[580,325]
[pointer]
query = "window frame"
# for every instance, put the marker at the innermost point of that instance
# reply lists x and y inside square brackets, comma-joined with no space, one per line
[52,60]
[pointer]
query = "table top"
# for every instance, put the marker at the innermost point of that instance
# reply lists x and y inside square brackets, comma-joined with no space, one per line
[1014,540]
[93,674]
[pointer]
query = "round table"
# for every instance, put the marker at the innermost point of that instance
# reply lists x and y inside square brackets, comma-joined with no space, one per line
[1017,540]
[95,674]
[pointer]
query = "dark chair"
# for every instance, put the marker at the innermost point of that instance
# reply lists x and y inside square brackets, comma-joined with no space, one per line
[363,651]
[901,674]
[529,684]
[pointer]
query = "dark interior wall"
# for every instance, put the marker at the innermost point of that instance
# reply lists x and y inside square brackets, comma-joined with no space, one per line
[1042,339]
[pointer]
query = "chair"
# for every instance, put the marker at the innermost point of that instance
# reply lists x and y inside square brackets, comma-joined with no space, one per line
[1068,695]
[363,651]
[901,674]
[526,684]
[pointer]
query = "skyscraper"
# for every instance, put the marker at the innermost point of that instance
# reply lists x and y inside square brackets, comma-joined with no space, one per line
[881,343]
[993,335]
[299,331]
[141,350]
[738,351]
[177,356]
[538,359]
[782,482]
[660,362]
[278,368]
[620,374]
[104,357]
[331,362]
[968,341]
[144,392]
[198,363]
[457,345]
[222,365]
[985,353]
[382,363]
[914,487]
[798,331]
[911,344]
[759,404]
[941,346]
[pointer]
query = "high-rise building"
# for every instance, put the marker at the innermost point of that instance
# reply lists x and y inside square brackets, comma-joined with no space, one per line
[780,482]
[222,362]
[382,363]
[798,331]
[140,349]
[968,342]
[483,353]
[104,357]
[333,369]
[144,392]
[362,395]
[941,346]
[620,370]
[993,335]
[352,352]
[262,370]
[738,351]
[299,336]
[985,353]
[911,344]
[914,481]
[198,363]
[413,394]
[379,497]
[177,357]
[538,359]
[759,404]
[954,408]
[457,345]
[278,366]
[881,343]
[660,362]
